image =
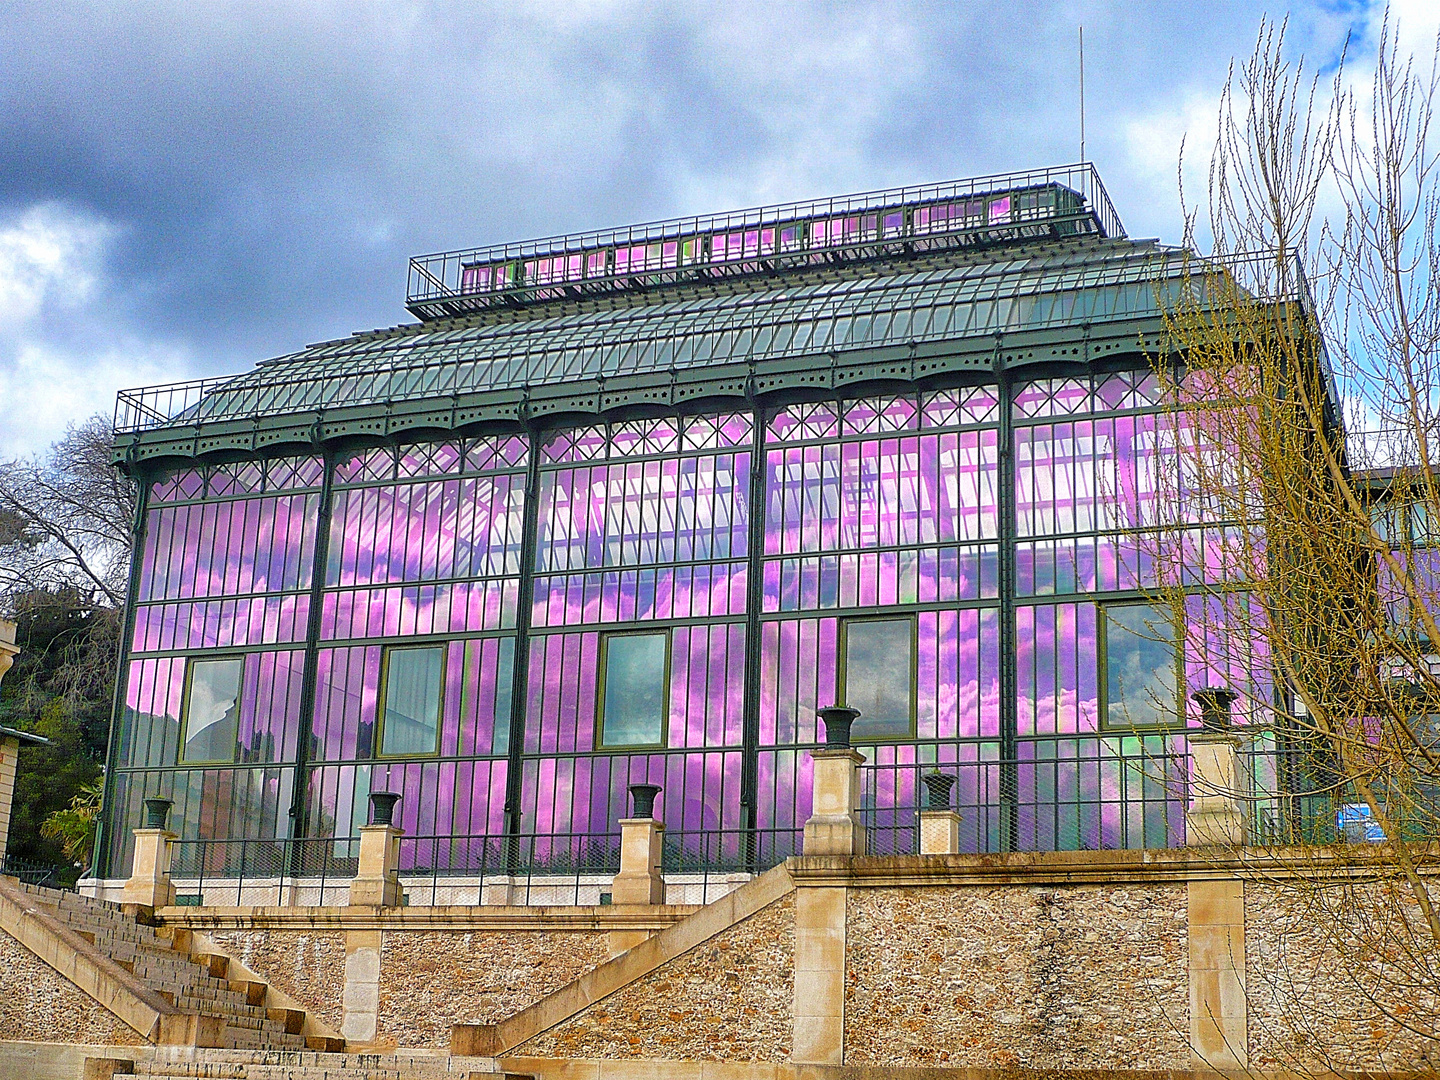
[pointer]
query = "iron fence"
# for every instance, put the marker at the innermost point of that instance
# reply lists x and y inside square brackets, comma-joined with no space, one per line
[47,875]
[1134,794]
[1061,802]
[561,869]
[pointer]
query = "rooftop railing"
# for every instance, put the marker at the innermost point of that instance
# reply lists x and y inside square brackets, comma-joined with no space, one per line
[1068,198]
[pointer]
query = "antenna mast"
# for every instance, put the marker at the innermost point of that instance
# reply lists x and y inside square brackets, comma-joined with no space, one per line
[1082,93]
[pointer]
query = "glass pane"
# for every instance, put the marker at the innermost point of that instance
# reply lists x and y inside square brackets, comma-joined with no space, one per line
[1140,685]
[879,676]
[634,690]
[212,709]
[410,722]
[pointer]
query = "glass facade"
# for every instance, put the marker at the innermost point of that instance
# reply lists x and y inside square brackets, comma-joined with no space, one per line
[926,483]
[662,608]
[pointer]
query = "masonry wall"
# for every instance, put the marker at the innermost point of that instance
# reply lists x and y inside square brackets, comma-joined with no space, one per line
[430,979]
[308,965]
[1051,978]
[40,1005]
[728,999]
[1318,998]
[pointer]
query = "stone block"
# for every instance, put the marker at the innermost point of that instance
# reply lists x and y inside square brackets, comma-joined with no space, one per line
[474,1040]
[818,1040]
[188,1029]
[377,882]
[107,1068]
[939,832]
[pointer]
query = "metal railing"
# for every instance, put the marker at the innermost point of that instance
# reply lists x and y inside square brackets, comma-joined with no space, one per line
[1061,803]
[560,869]
[248,872]
[735,240]
[47,875]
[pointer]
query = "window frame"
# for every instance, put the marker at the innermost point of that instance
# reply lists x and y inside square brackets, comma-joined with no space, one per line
[188,683]
[842,672]
[602,671]
[1102,672]
[382,697]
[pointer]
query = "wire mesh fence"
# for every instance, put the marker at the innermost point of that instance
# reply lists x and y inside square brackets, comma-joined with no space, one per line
[1134,795]
[561,869]
[1063,802]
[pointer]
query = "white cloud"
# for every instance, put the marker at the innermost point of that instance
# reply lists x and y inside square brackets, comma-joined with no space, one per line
[61,356]
[47,254]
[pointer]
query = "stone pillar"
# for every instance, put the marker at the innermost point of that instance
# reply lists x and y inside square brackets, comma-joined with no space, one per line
[642,845]
[833,828]
[1216,816]
[360,999]
[377,878]
[939,825]
[149,885]
[9,741]
[817,1034]
[1219,1031]
[8,649]
[9,760]
[818,1026]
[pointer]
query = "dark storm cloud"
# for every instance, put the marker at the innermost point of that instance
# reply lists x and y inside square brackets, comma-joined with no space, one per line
[262,172]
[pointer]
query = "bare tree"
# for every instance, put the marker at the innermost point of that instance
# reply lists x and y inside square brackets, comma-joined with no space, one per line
[65,520]
[1318,598]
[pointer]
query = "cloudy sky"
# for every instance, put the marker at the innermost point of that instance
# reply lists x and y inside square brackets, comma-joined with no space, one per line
[186,188]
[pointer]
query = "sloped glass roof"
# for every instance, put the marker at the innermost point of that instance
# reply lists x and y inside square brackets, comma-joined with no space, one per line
[951,297]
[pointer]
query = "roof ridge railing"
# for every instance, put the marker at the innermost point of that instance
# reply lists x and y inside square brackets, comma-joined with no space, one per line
[925,216]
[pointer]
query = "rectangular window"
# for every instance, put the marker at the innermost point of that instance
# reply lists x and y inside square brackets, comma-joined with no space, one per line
[1140,676]
[635,673]
[212,709]
[411,689]
[877,676]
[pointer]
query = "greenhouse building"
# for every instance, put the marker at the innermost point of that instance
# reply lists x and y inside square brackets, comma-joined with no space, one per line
[630,507]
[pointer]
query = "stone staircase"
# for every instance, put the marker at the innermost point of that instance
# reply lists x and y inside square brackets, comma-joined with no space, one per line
[216,1009]
[177,1063]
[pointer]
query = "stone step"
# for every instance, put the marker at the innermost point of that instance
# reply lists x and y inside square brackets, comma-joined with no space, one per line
[417,1063]
[226,1007]
[205,1070]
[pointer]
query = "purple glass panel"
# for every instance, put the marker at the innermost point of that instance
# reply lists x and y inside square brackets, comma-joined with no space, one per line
[881,493]
[497,453]
[221,624]
[1226,648]
[872,415]
[270,725]
[475,710]
[643,512]
[220,549]
[149,732]
[588,795]
[1056,669]
[345,702]
[447,809]
[427,531]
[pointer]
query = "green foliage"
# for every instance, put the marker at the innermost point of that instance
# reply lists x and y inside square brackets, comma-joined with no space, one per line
[74,828]
[59,688]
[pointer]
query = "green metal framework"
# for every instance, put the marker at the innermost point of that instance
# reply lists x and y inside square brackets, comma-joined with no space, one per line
[998,304]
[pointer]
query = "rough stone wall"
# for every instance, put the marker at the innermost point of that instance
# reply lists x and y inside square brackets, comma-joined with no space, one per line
[1319,999]
[1058,978]
[430,979]
[307,965]
[727,999]
[38,1004]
